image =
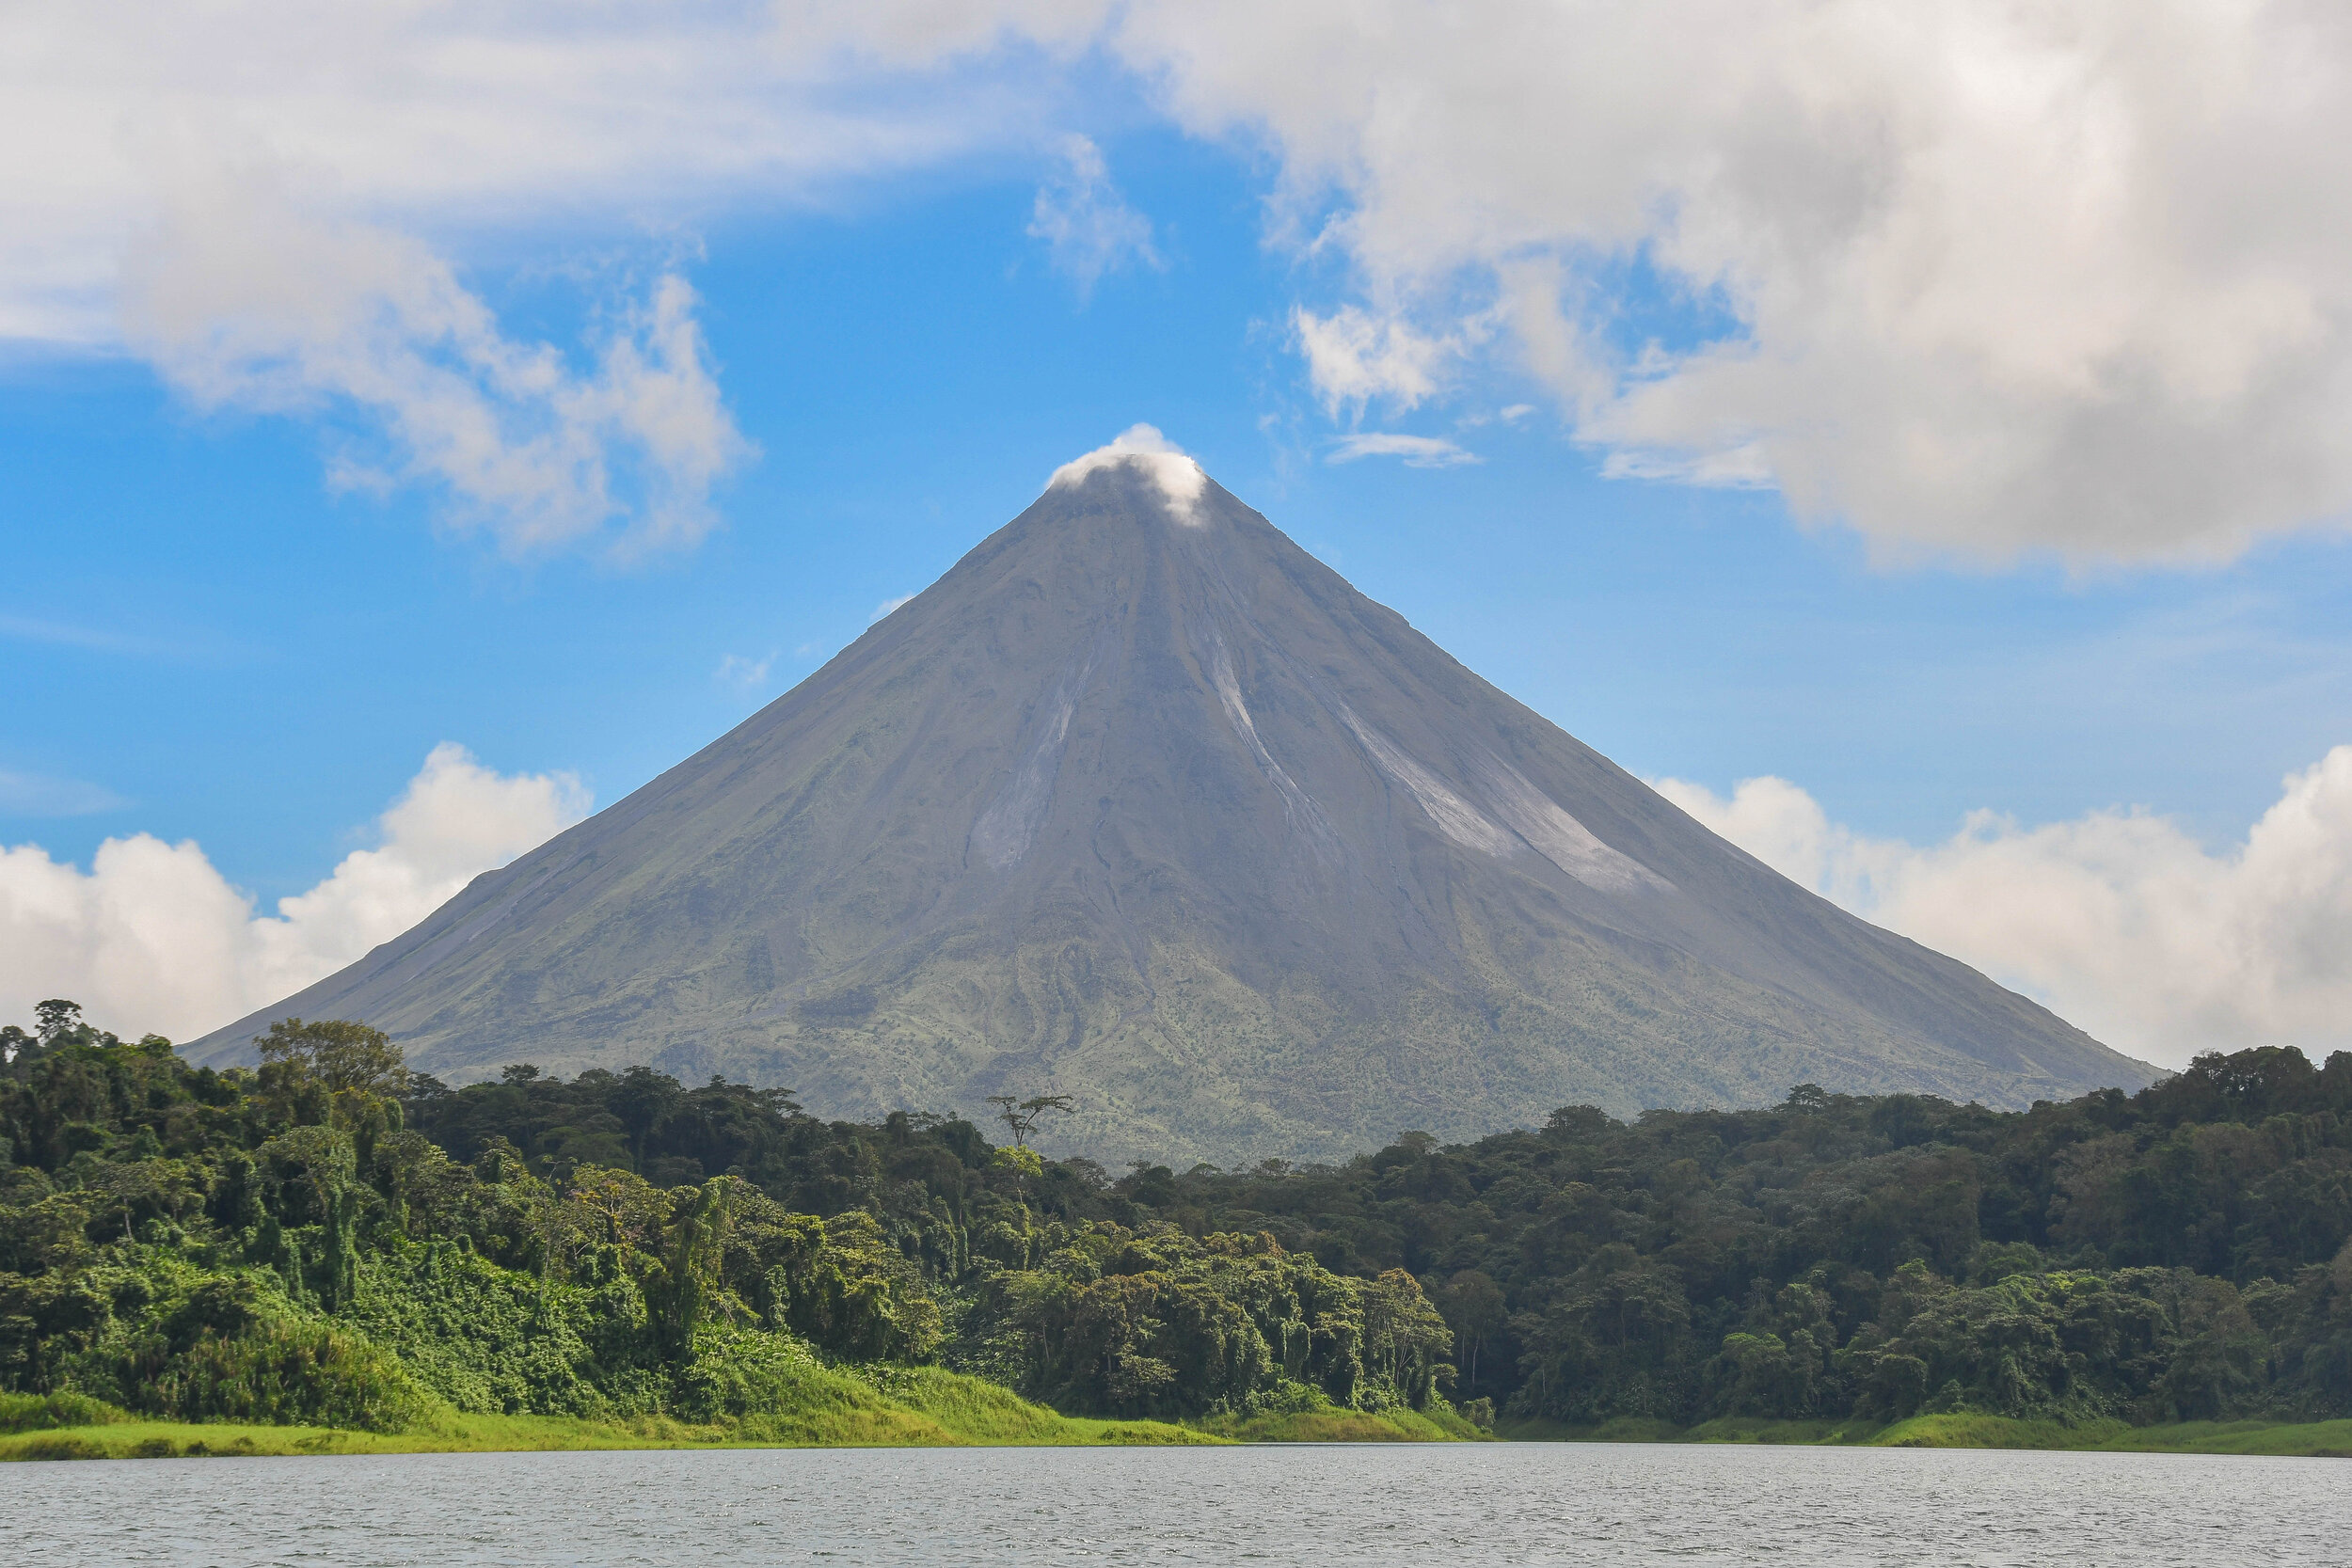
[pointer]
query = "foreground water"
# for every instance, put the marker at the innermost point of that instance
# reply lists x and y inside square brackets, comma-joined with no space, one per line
[1324,1506]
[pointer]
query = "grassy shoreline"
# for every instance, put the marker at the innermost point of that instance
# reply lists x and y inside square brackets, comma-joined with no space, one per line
[134,1438]
[141,1439]
[928,1408]
[1344,1426]
[914,1407]
[517,1433]
[2297,1439]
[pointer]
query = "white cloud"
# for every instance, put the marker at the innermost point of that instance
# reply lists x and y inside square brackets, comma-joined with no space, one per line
[241,301]
[1356,358]
[1992,277]
[1418,451]
[1985,278]
[153,938]
[1086,226]
[888,606]
[273,202]
[1142,446]
[2119,921]
[431,117]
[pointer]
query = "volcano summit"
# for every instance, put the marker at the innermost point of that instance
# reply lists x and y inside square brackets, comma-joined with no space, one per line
[1142,803]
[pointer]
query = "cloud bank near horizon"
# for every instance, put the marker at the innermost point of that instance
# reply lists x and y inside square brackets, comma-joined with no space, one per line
[1997,280]
[2119,921]
[153,939]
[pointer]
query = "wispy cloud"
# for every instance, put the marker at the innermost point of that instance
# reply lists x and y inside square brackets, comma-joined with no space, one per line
[1088,227]
[887,607]
[26,628]
[1418,451]
[38,795]
[743,672]
[1745,467]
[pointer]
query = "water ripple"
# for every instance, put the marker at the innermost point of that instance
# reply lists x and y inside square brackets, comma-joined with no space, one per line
[1330,1507]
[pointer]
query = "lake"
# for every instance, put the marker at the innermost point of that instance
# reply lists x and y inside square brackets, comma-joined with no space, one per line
[1327,1506]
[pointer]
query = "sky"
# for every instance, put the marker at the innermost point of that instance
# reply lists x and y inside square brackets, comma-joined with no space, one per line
[1913,442]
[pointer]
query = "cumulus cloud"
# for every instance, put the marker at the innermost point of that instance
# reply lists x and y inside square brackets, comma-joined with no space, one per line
[153,938]
[273,206]
[2118,919]
[1418,451]
[1088,227]
[1356,358]
[1142,446]
[241,301]
[1990,276]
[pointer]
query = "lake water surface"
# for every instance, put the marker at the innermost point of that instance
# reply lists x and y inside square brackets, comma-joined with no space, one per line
[1326,1506]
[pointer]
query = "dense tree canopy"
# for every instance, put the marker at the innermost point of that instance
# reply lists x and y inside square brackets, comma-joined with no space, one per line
[2181,1252]
[329,1235]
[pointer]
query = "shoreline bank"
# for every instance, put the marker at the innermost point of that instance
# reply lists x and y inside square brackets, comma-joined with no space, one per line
[1008,1423]
[2293,1440]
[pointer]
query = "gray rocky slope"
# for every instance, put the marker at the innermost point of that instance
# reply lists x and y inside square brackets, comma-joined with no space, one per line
[1142,803]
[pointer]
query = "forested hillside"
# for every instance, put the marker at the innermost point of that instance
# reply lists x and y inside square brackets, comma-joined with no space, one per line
[2177,1254]
[330,1237]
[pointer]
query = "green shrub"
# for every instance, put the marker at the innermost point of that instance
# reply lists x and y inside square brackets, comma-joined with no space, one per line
[286,1374]
[44,1412]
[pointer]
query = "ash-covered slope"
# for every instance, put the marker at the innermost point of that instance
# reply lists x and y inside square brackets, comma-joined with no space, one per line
[1143,803]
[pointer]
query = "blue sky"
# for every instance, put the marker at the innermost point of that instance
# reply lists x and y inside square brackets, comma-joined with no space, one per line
[208,637]
[204,632]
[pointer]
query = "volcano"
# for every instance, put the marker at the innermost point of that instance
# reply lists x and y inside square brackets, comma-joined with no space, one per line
[1142,803]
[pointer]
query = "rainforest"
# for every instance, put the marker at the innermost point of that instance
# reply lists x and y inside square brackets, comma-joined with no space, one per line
[331,1241]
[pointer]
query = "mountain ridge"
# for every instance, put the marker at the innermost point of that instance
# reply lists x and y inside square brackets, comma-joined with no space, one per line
[1142,802]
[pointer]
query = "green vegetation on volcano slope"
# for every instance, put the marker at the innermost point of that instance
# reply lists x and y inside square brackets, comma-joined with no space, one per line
[331,1240]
